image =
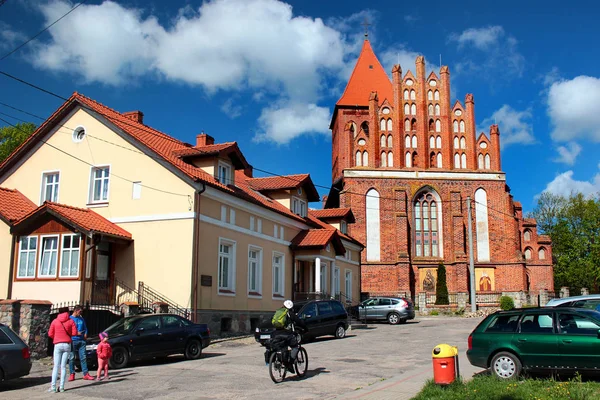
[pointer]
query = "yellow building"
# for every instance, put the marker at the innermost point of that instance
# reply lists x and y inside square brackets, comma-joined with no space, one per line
[122,208]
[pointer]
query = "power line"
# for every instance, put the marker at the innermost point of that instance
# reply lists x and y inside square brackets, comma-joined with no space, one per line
[40,32]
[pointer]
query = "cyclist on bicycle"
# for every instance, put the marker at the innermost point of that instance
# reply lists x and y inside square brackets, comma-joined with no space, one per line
[287,336]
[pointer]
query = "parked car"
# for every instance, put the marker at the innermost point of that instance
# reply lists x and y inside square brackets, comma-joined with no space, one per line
[590,301]
[322,317]
[395,310]
[151,335]
[560,338]
[15,360]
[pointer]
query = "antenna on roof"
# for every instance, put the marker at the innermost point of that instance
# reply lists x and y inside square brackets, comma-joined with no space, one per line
[366,24]
[440,61]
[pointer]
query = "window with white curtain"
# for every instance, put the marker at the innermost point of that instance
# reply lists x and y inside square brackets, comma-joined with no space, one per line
[431,142]
[456,144]
[406,125]
[456,160]
[437,95]
[406,94]
[389,124]
[455,126]
[50,182]
[382,141]
[69,259]
[430,95]
[407,141]
[438,126]
[413,95]
[389,141]
[390,162]
[487,161]
[463,143]
[462,126]
[439,160]
[382,124]
[27,256]
[365,160]
[49,256]
[383,159]
[438,142]
[413,109]
[414,141]
[437,109]
[408,160]
[358,159]
[463,160]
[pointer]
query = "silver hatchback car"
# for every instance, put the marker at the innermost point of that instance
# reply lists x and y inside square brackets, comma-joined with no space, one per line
[395,310]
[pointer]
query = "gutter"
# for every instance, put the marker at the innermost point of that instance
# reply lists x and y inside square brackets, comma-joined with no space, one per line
[195,255]
[11,268]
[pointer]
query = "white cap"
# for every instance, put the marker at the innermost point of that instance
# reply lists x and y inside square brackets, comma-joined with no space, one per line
[288,304]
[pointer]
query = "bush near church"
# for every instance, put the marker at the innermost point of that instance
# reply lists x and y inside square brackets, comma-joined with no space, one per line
[441,288]
[506,303]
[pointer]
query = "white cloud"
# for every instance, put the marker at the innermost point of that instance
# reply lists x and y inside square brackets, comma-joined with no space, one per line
[409,19]
[552,76]
[9,38]
[573,109]
[565,185]
[515,126]
[568,153]
[282,124]
[482,38]
[232,109]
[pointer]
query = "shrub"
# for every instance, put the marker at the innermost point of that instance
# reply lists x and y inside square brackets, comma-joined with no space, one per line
[434,312]
[441,288]
[506,303]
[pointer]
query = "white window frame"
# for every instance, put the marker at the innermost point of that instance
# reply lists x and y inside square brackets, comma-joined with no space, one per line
[28,254]
[336,280]
[136,190]
[259,272]
[343,227]
[92,184]
[229,289]
[41,255]
[70,250]
[226,168]
[55,190]
[298,206]
[281,292]
[348,283]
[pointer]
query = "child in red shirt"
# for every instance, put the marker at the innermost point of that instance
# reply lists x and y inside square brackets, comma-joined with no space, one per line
[104,351]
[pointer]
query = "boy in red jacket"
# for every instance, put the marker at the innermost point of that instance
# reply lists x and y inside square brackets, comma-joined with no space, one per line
[61,330]
[104,352]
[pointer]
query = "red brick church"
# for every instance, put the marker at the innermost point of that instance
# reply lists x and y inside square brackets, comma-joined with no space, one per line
[406,159]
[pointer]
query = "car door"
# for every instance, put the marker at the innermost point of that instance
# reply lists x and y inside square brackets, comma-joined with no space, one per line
[578,342]
[327,318]
[368,309]
[146,337]
[173,334]
[311,318]
[384,308]
[537,340]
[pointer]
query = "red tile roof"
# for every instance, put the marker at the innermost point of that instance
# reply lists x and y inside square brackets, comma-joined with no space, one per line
[211,149]
[313,238]
[84,220]
[285,182]
[368,76]
[333,213]
[14,205]
[324,225]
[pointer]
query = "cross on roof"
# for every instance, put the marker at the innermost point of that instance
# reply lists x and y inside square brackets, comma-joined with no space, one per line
[366,24]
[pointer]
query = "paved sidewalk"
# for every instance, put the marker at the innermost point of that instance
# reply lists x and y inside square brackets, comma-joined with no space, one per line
[409,384]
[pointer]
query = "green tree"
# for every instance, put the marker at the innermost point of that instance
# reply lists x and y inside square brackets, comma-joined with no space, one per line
[441,288]
[11,137]
[573,224]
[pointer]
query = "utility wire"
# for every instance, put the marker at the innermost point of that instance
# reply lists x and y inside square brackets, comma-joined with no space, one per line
[40,32]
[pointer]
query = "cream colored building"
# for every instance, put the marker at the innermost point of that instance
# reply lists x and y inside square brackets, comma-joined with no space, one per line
[121,208]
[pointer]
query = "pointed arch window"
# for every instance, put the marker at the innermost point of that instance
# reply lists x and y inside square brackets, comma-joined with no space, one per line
[527,235]
[413,95]
[431,125]
[382,143]
[406,125]
[413,109]
[480,161]
[383,159]
[456,160]
[462,126]
[406,109]
[390,161]
[528,253]
[406,94]
[413,124]
[438,125]
[365,159]
[382,124]
[542,254]
[437,95]
[415,160]
[407,141]
[427,233]
[487,161]
[430,109]
[389,141]
[463,143]
[482,230]
[463,160]
[432,160]
[408,160]
[353,130]
[365,127]
[430,95]
[358,159]
[438,142]
[389,124]
[456,145]
[439,160]
[431,142]
[455,126]
[414,141]
[437,109]
[373,225]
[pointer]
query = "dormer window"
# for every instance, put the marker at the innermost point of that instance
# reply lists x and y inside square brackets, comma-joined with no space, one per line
[344,227]
[224,173]
[298,207]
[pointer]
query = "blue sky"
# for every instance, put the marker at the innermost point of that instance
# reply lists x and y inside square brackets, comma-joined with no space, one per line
[267,73]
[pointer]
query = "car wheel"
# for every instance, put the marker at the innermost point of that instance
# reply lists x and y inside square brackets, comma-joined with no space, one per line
[340,332]
[120,358]
[393,319]
[193,350]
[506,365]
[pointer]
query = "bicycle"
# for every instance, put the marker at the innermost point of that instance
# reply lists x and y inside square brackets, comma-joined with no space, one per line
[278,365]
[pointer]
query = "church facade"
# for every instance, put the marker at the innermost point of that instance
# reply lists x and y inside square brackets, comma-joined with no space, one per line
[409,163]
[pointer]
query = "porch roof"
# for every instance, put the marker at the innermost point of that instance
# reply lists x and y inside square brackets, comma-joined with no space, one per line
[318,239]
[14,205]
[82,220]
[334,213]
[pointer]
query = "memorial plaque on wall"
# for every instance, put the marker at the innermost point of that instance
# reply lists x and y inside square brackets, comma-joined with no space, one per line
[206,280]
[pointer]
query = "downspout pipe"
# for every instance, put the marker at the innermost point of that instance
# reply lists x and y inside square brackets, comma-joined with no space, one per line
[11,267]
[195,250]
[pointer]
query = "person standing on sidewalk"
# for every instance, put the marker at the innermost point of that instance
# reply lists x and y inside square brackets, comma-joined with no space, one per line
[61,330]
[79,344]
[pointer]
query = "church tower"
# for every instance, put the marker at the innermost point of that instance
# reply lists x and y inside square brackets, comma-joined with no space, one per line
[405,158]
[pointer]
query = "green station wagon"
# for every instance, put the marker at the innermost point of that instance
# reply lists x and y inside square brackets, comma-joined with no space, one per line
[537,339]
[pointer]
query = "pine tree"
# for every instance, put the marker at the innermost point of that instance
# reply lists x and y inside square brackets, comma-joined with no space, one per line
[441,289]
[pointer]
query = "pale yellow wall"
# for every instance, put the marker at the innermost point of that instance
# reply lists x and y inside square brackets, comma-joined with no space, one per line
[283,197]
[125,161]
[52,291]
[162,256]
[206,164]
[5,261]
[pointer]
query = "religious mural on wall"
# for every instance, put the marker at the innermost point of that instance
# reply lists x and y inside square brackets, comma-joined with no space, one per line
[485,279]
[429,280]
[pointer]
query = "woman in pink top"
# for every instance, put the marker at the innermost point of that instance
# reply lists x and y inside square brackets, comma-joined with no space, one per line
[104,351]
[61,330]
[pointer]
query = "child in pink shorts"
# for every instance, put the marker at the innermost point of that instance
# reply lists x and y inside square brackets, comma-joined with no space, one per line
[104,351]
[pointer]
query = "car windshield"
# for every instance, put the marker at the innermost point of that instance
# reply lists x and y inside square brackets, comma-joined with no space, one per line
[591,313]
[122,326]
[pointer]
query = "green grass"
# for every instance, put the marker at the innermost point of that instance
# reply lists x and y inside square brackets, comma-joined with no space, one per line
[491,388]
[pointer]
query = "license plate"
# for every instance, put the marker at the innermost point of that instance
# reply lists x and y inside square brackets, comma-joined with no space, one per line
[265,336]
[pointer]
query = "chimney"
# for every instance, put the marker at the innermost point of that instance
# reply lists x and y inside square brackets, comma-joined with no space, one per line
[136,116]
[204,140]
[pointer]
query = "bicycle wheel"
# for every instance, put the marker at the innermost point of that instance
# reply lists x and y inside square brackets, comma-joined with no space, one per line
[301,362]
[277,368]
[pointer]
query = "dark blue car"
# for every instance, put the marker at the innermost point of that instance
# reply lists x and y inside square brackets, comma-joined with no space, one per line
[149,336]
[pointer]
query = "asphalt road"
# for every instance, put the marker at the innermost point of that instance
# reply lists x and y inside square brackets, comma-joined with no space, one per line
[235,369]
